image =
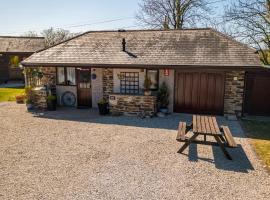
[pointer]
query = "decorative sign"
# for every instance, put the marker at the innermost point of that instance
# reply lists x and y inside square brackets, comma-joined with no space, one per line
[166,72]
[121,76]
[94,76]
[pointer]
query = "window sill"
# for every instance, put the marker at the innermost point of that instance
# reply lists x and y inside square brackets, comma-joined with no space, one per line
[66,85]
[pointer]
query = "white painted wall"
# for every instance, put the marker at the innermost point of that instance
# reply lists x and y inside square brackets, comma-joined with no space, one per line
[62,89]
[116,81]
[97,86]
[169,80]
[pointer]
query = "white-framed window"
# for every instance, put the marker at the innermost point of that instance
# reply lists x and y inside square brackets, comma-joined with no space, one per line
[129,83]
[66,76]
[154,77]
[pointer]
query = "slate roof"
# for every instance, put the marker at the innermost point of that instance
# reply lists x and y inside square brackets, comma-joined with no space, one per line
[192,47]
[9,44]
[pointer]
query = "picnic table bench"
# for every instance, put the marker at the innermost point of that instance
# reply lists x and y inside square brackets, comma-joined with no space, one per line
[206,126]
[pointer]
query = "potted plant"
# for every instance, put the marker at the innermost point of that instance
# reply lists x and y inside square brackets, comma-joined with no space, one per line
[163,98]
[51,102]
[103,107]
[147,85]
[20,98]
[29,104]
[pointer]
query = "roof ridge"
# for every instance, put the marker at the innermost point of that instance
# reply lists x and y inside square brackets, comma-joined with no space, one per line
[122,31]
[147,30]
[26,37]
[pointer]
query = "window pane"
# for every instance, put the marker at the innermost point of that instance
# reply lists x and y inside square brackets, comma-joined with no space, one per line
[61,75]
[71,76]
[129,84]
[153,75]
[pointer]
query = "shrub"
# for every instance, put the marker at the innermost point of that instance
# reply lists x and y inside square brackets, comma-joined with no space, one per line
[163,96]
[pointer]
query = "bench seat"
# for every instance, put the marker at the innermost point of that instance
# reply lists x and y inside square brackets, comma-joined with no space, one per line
[228,136]
[183,128]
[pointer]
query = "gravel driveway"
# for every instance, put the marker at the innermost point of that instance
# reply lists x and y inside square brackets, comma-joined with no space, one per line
[75,154]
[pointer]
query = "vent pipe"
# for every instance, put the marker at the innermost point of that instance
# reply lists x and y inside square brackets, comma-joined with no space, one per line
[124,45]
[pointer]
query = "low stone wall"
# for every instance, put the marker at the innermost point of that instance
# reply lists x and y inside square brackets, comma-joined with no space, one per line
[133,105]
[39,98]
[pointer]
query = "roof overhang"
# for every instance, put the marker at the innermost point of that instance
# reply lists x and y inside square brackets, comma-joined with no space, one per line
[143,66]
[20,52]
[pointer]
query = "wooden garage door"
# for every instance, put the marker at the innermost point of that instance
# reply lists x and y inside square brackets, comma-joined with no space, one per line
[257,94]
[199,92]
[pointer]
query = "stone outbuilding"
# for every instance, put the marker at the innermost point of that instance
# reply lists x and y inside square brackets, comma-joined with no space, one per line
[204,70]
[12,51]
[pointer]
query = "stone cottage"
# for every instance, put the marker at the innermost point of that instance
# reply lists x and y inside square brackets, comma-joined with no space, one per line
[203,69]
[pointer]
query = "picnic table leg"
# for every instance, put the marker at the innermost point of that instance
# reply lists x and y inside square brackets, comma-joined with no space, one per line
[222,138]
[187,143]
[220,143]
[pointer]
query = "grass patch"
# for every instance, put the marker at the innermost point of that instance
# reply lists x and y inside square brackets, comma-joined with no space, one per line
[259,132]
[8,94]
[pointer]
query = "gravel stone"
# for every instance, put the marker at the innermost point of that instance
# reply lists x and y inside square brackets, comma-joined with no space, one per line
[77,154]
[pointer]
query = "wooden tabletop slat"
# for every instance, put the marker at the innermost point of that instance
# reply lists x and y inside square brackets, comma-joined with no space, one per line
[203,124]
[208,129]
[215,125]
[194,123]
[199,125]
[210,125]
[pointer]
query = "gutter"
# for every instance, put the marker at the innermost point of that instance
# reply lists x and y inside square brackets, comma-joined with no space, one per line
[143,66]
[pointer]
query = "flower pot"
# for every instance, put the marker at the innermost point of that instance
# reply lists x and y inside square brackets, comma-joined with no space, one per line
[164,110]
[147,93]
[103,108]
[51,105]
[29,106]
[20,99]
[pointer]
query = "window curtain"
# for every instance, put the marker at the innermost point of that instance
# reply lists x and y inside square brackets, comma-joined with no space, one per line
[71,76]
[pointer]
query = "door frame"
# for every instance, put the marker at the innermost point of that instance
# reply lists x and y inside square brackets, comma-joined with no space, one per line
[77,70]
[221,72]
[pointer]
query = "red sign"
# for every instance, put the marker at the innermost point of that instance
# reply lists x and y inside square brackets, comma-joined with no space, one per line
[166,72]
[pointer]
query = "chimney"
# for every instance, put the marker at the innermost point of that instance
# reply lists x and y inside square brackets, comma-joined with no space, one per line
[124,44]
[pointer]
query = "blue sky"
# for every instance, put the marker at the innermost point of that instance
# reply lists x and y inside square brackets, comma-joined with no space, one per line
[20,16]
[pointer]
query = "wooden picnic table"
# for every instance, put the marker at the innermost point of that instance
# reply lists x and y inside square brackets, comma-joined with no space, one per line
[206,126]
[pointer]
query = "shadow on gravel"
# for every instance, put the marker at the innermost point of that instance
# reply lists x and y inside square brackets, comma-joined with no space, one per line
[240,162]
[170,122]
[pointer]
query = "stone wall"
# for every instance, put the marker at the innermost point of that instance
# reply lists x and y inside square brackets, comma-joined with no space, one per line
[133,105]
[49,75]
[107,82]
[234,92]
[39,96]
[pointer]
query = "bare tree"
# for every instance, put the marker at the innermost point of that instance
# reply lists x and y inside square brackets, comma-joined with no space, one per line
[55,36]
[174,14]
[251,19]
